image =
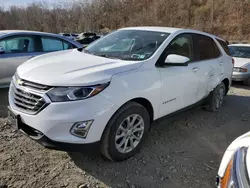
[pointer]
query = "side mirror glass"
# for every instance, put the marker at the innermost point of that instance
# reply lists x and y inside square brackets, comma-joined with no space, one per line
[176,60]
[1,50]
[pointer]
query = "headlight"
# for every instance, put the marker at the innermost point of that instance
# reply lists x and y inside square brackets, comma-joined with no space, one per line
[62,94]
[238,69]
[236,175]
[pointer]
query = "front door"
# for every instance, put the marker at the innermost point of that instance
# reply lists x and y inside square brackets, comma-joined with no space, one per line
[179,83]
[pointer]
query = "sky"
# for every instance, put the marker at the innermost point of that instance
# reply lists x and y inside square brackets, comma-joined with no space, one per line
[7,3]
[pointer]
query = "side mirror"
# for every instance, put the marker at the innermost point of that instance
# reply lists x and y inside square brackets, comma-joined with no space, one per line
[176,60]
[1,50]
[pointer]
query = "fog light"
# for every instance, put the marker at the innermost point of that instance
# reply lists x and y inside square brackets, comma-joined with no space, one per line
[81,129]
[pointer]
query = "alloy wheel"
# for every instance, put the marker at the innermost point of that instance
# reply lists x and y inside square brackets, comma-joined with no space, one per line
[129,133]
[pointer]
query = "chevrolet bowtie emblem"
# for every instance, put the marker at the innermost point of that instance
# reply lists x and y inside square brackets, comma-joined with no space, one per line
[19,82]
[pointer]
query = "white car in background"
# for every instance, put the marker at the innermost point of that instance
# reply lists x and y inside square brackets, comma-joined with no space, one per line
[241,55]
[111,92]
[234,171]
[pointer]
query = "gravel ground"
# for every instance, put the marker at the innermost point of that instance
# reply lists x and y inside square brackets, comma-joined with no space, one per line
[182,151]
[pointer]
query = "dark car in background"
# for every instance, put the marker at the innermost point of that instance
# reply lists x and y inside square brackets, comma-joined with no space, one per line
[86,38]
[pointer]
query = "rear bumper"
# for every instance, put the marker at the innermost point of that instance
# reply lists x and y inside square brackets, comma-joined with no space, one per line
[238,76]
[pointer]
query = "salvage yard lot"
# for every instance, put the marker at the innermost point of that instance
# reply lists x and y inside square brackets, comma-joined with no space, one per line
[184,150]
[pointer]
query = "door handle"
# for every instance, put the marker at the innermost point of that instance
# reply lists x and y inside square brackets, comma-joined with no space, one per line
[221,63]
[195,69]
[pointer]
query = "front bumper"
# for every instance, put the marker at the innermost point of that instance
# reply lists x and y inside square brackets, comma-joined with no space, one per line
[50,144]
[55,121]
[240,76]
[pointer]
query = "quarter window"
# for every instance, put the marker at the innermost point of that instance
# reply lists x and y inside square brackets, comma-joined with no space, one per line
[181,45]
[20,44]
[206,48]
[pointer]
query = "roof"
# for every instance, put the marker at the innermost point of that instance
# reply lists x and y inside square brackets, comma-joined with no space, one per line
[25,32]
[170,30]
[22,31]
[4,33]
[159,29]
[244,45]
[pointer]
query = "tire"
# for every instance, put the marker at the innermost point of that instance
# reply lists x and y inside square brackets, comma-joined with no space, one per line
[247,82]
[215,99]
[118,126]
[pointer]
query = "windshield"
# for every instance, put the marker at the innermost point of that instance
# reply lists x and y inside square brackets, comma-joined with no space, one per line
[239,51]
[128,44]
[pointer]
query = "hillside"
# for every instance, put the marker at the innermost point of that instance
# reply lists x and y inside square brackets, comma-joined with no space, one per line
[227,18]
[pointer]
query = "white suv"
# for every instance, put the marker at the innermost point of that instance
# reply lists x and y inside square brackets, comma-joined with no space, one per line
[111,92]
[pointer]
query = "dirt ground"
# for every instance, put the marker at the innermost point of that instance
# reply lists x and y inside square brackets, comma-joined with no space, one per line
[182,151]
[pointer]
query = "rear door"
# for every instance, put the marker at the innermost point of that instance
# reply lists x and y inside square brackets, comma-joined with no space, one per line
[208,58]
[17,50]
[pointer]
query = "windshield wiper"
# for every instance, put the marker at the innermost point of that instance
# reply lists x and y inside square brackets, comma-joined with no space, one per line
[107,56]
[86,51]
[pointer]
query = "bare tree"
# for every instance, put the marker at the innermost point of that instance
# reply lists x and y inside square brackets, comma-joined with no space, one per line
[228,18]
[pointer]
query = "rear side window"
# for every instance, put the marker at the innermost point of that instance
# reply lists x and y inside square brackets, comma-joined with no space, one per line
[224,46]
[205,48]
[18,44]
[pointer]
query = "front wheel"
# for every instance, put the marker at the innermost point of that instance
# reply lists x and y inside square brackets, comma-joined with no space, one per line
[125,132]
[216,98]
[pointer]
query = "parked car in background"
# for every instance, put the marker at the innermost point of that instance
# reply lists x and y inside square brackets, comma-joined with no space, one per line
[234,170]
[111,92]
[241,55]
[86,38]
[17,47]
[71,36]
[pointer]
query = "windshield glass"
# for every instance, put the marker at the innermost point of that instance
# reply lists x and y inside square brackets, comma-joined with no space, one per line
[239,51]
[128,44]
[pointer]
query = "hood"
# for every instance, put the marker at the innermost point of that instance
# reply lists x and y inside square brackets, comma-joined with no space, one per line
[73,68]
[239,62]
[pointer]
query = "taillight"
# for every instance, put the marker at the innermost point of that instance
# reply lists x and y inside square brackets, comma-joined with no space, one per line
[233,61]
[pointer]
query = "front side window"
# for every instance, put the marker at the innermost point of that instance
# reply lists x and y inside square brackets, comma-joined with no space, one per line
[181,45]
[54,44]
[206,48]
[67,46]
[240,51]
[20,44]
[128,44]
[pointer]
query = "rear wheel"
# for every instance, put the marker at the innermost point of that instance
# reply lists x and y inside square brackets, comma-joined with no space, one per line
[216,98]
[125,132]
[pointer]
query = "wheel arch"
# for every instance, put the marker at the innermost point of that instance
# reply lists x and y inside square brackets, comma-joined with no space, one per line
[227,84]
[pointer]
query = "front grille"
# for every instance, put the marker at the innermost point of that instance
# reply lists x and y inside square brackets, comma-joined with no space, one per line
[26,101]
[31,85]
[34,86]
